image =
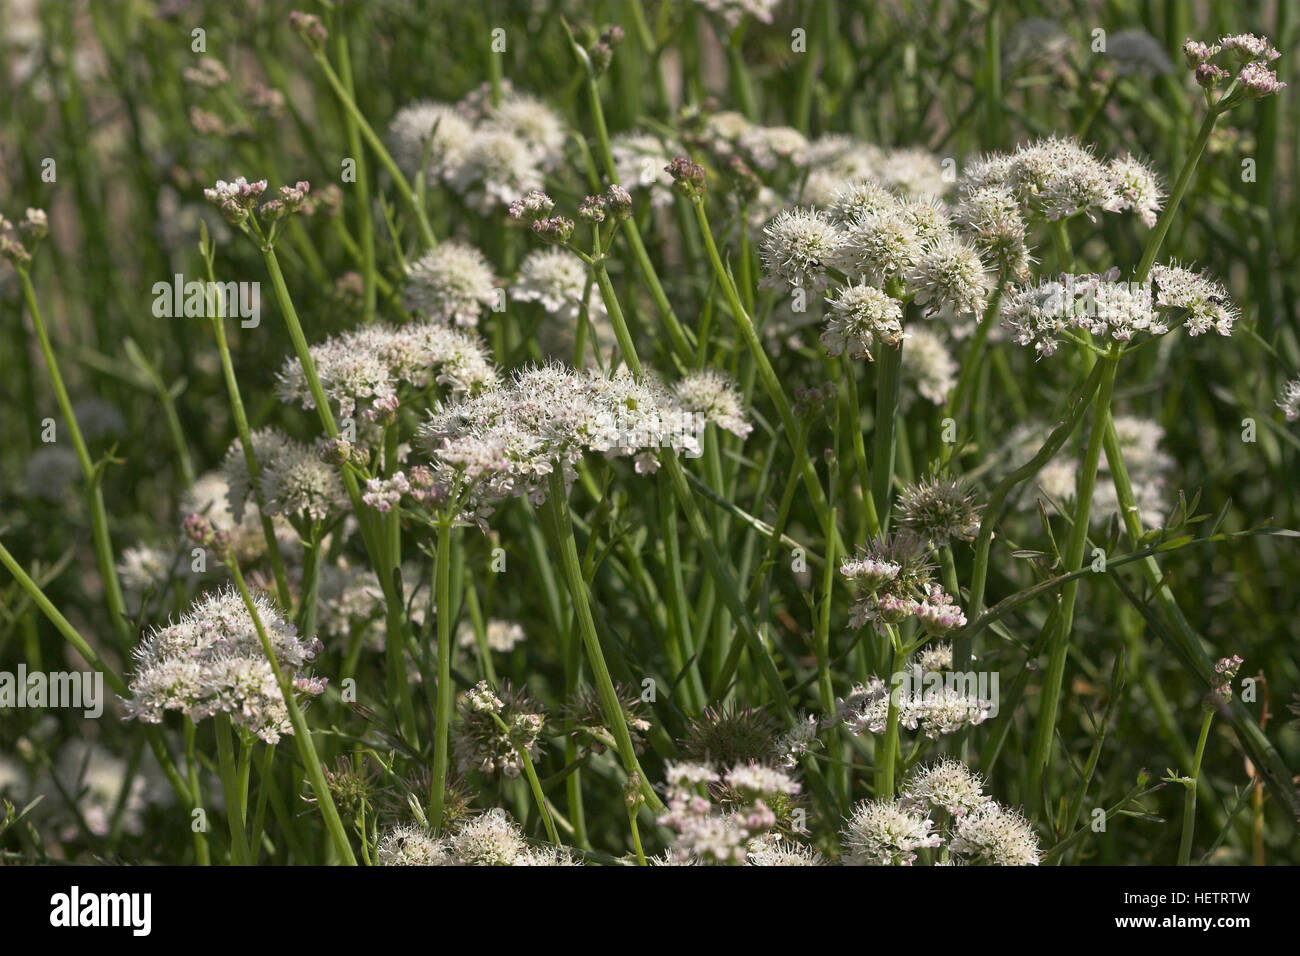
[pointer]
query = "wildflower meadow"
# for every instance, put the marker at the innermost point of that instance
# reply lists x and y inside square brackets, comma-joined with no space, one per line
[649,433]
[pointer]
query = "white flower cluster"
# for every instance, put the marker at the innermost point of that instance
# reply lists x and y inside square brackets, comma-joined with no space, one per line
[882,833]
[365,366]
[505,441]
[451,284]
[1041,314]
[891,246]
[935,710]
[557,280]
[211,661]
[292,479]
[489,155]
[1059,177]
[976,829]
[488,839]
[705,834]
[501,636]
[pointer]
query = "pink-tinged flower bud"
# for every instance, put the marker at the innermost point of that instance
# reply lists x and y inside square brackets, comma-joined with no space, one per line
[688,177]
[534,206]
[1210,76]
[383,410]
[1197,52]
[309,27]
[335,451]
[1259,81]
[601,55]
[618,202]
[199,529]
[555,230]
[592,209]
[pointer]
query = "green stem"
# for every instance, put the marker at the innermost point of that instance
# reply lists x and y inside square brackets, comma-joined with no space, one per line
[680,341]
[889,379]
[230,787]
[1189,801]
[869,526]
[963,646]
[375,544]
[250,458]
[1157,237]
[1045,730]
[399,181]
[98,514]
[558,504]
[446,690]
[201,854]
[369,272]
[887,751]
[301,732]
[771,384]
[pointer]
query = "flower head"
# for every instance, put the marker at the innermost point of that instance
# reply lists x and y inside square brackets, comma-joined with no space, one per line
[211,661]
[939,509]
[884,833]
[860,315]
[451,284]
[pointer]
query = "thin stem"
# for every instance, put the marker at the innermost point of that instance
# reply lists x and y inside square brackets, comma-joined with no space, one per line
[771,384]
[963,645]
[98,514]
[534,784]
[870,523]
[1166,219]
[558,504]
[250,458]
[201,854]
[1045,730]
[301,732]
[399,180]
[679,338]
[446,690]
[889,379]
[1189,801]
[376,547]
[887,751]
